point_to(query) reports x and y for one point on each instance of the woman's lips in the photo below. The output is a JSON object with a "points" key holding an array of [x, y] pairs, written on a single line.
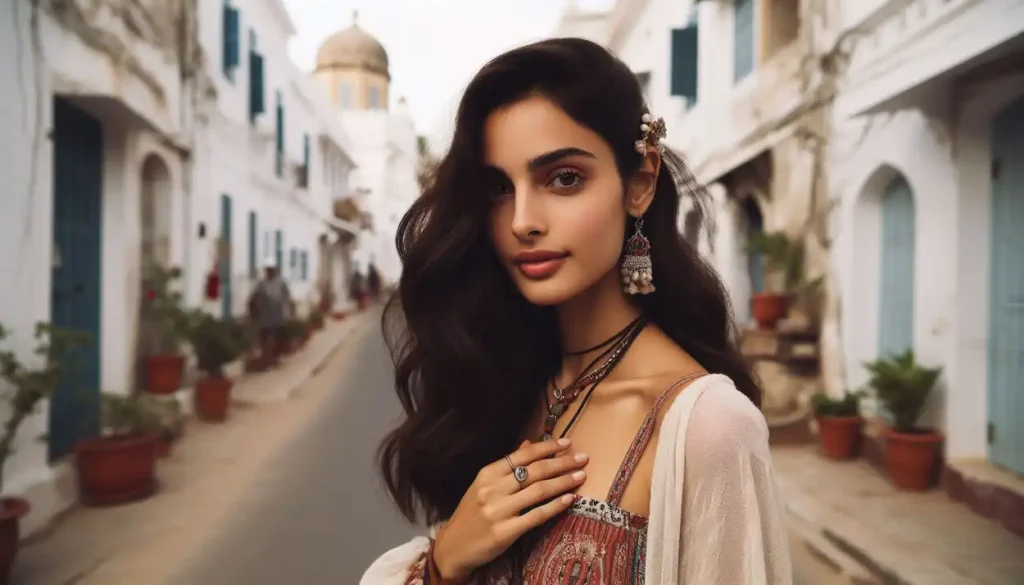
{"points": [[539, 265]]}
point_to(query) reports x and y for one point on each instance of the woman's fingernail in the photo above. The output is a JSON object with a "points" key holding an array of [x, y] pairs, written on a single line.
{"points": [[568, 498], [580, 457], [579, 475], [564, 441]]}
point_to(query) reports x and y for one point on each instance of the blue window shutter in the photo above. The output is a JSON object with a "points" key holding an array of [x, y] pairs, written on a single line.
{"points": [[231, 39], [305, 150], [279, 159], [257, 101], [253, 246], [279, 250], [684, 63], [743, 39]]}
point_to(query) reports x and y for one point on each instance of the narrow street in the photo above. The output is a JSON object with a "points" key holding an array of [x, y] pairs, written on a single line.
{"points": [[322, 518]]}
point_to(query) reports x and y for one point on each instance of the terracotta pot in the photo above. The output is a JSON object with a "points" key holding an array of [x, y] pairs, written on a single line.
{"points": [[12, 509], [116, 470], [163, 373], [840, 436], [338, 315], [212, 398], [163, 448], [768, 309], [911, 458]]}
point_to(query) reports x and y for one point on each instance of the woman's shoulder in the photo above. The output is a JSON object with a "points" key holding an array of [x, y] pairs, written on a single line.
{"points": [[717, 418]]}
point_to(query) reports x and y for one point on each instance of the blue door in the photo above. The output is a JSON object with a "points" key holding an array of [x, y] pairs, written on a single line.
{"points": [[226, 254], [75, 289], [896, 296], [1006, 300]]}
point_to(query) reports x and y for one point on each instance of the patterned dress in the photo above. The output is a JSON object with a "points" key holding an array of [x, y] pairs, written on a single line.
{"points": [[594, 543]]}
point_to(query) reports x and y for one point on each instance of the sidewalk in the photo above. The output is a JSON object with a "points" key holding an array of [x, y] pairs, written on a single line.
{"points": [[852, 512], [208, 469]]}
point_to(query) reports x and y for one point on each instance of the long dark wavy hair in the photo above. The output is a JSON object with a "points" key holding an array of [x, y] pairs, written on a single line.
{"points": [[472, 357]]}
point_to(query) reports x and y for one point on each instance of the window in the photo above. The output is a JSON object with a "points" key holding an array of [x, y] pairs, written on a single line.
{"points": [[684, 63], [257, 101], [279, 147], [254, 268], [231, 49], [374, 97], [743, 40], [344, 94], [293, 261]]}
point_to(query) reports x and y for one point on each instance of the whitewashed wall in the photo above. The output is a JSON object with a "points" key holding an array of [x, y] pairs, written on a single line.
{"points": [[69, 67]]}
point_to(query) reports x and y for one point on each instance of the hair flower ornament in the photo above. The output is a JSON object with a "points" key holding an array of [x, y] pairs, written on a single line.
{"points": [[652, 130]]}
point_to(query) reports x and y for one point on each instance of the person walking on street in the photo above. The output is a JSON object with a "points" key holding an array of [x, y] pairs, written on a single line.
{"points": [[373, 281], [271, 304], [357, 289]]}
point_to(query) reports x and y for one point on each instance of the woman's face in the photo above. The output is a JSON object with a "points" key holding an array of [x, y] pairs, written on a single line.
{"points": [[558, 211]]}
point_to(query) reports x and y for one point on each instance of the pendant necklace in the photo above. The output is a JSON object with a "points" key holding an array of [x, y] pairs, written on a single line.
{"points": [[619, 343]]}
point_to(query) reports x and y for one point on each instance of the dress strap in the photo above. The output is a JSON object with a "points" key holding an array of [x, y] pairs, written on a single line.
{"points": [[643, 437]]}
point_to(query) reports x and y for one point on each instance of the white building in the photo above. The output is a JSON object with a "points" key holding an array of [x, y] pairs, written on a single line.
{"points": [[98, 115], [928, 174], [133, 137], [352, 69], [271, 157]]}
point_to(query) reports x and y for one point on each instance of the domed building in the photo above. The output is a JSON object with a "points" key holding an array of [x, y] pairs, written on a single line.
{"points": [[352, 66]]}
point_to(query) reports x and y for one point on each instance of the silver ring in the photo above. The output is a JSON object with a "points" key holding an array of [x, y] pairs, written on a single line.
{"points": [[519, 473]]}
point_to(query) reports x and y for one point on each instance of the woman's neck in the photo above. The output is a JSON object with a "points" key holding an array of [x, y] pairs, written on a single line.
{"points": [[590, 318]]}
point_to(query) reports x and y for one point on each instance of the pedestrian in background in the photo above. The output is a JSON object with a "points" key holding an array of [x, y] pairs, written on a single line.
{"points": [[373, 282], [531, 313], [270, 306], [357, 289]]}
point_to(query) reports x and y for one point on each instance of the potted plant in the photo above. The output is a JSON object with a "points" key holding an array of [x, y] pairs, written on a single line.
{"points": [[783, 269], [171, 426], [162, 311], [119, 465], [26, 387], [839, 424], [316, 320], [216, 343], [903, 386]]}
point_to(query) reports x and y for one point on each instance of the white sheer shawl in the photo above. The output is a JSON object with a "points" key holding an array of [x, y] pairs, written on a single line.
{"points": [[716, 514]]}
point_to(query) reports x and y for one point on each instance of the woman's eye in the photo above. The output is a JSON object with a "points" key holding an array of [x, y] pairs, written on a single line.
{"points": [[567, 180]]}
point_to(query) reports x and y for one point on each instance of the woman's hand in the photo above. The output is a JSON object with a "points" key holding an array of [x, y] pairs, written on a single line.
{"points": [[488, 519]]}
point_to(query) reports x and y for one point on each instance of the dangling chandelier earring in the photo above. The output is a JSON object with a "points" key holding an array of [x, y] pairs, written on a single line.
{"points": [[637, 270]]}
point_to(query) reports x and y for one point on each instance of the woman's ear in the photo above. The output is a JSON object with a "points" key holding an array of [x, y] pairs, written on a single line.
{"points": [[640, 190]]}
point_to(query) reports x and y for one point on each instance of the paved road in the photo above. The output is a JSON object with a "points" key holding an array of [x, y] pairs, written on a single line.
{"points": [[323, 516]]}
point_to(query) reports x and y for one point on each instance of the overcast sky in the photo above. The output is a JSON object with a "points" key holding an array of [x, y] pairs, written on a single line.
{"points": [[434, 46]]}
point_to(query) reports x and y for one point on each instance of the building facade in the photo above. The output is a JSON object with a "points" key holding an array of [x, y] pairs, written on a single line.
{"points": [[352, 70], [271, 158], [172, 132], [99, 108], [926, 168]]}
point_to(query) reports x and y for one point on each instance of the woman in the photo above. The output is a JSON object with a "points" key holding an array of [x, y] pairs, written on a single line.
{"points": [[547, 296]]}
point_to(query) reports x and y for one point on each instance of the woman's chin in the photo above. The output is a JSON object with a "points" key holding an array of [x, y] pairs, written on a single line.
{"points": [[545, 293]]}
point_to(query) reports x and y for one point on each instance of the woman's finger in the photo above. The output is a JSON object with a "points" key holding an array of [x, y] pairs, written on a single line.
{"points": [[517, 526], [543, 469], [542, 491], [524, 456]]}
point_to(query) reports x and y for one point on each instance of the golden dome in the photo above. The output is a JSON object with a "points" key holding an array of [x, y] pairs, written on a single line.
{"points": [[353, 47]]}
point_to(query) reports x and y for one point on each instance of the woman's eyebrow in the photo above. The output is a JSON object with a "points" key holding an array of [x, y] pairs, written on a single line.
{"points": [[556, 155]]}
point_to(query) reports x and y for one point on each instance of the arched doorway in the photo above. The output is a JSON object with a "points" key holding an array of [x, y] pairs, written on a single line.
{"points": [[1006, 291], [154, 249], [896, 275]]}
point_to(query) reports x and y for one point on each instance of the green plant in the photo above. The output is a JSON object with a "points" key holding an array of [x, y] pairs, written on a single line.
{"points": [[316, 318], [162, 306], [847, 405], [31, 385], [130, 415], [215, 342], [903, 387], [783, 259], [294, 330]]}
